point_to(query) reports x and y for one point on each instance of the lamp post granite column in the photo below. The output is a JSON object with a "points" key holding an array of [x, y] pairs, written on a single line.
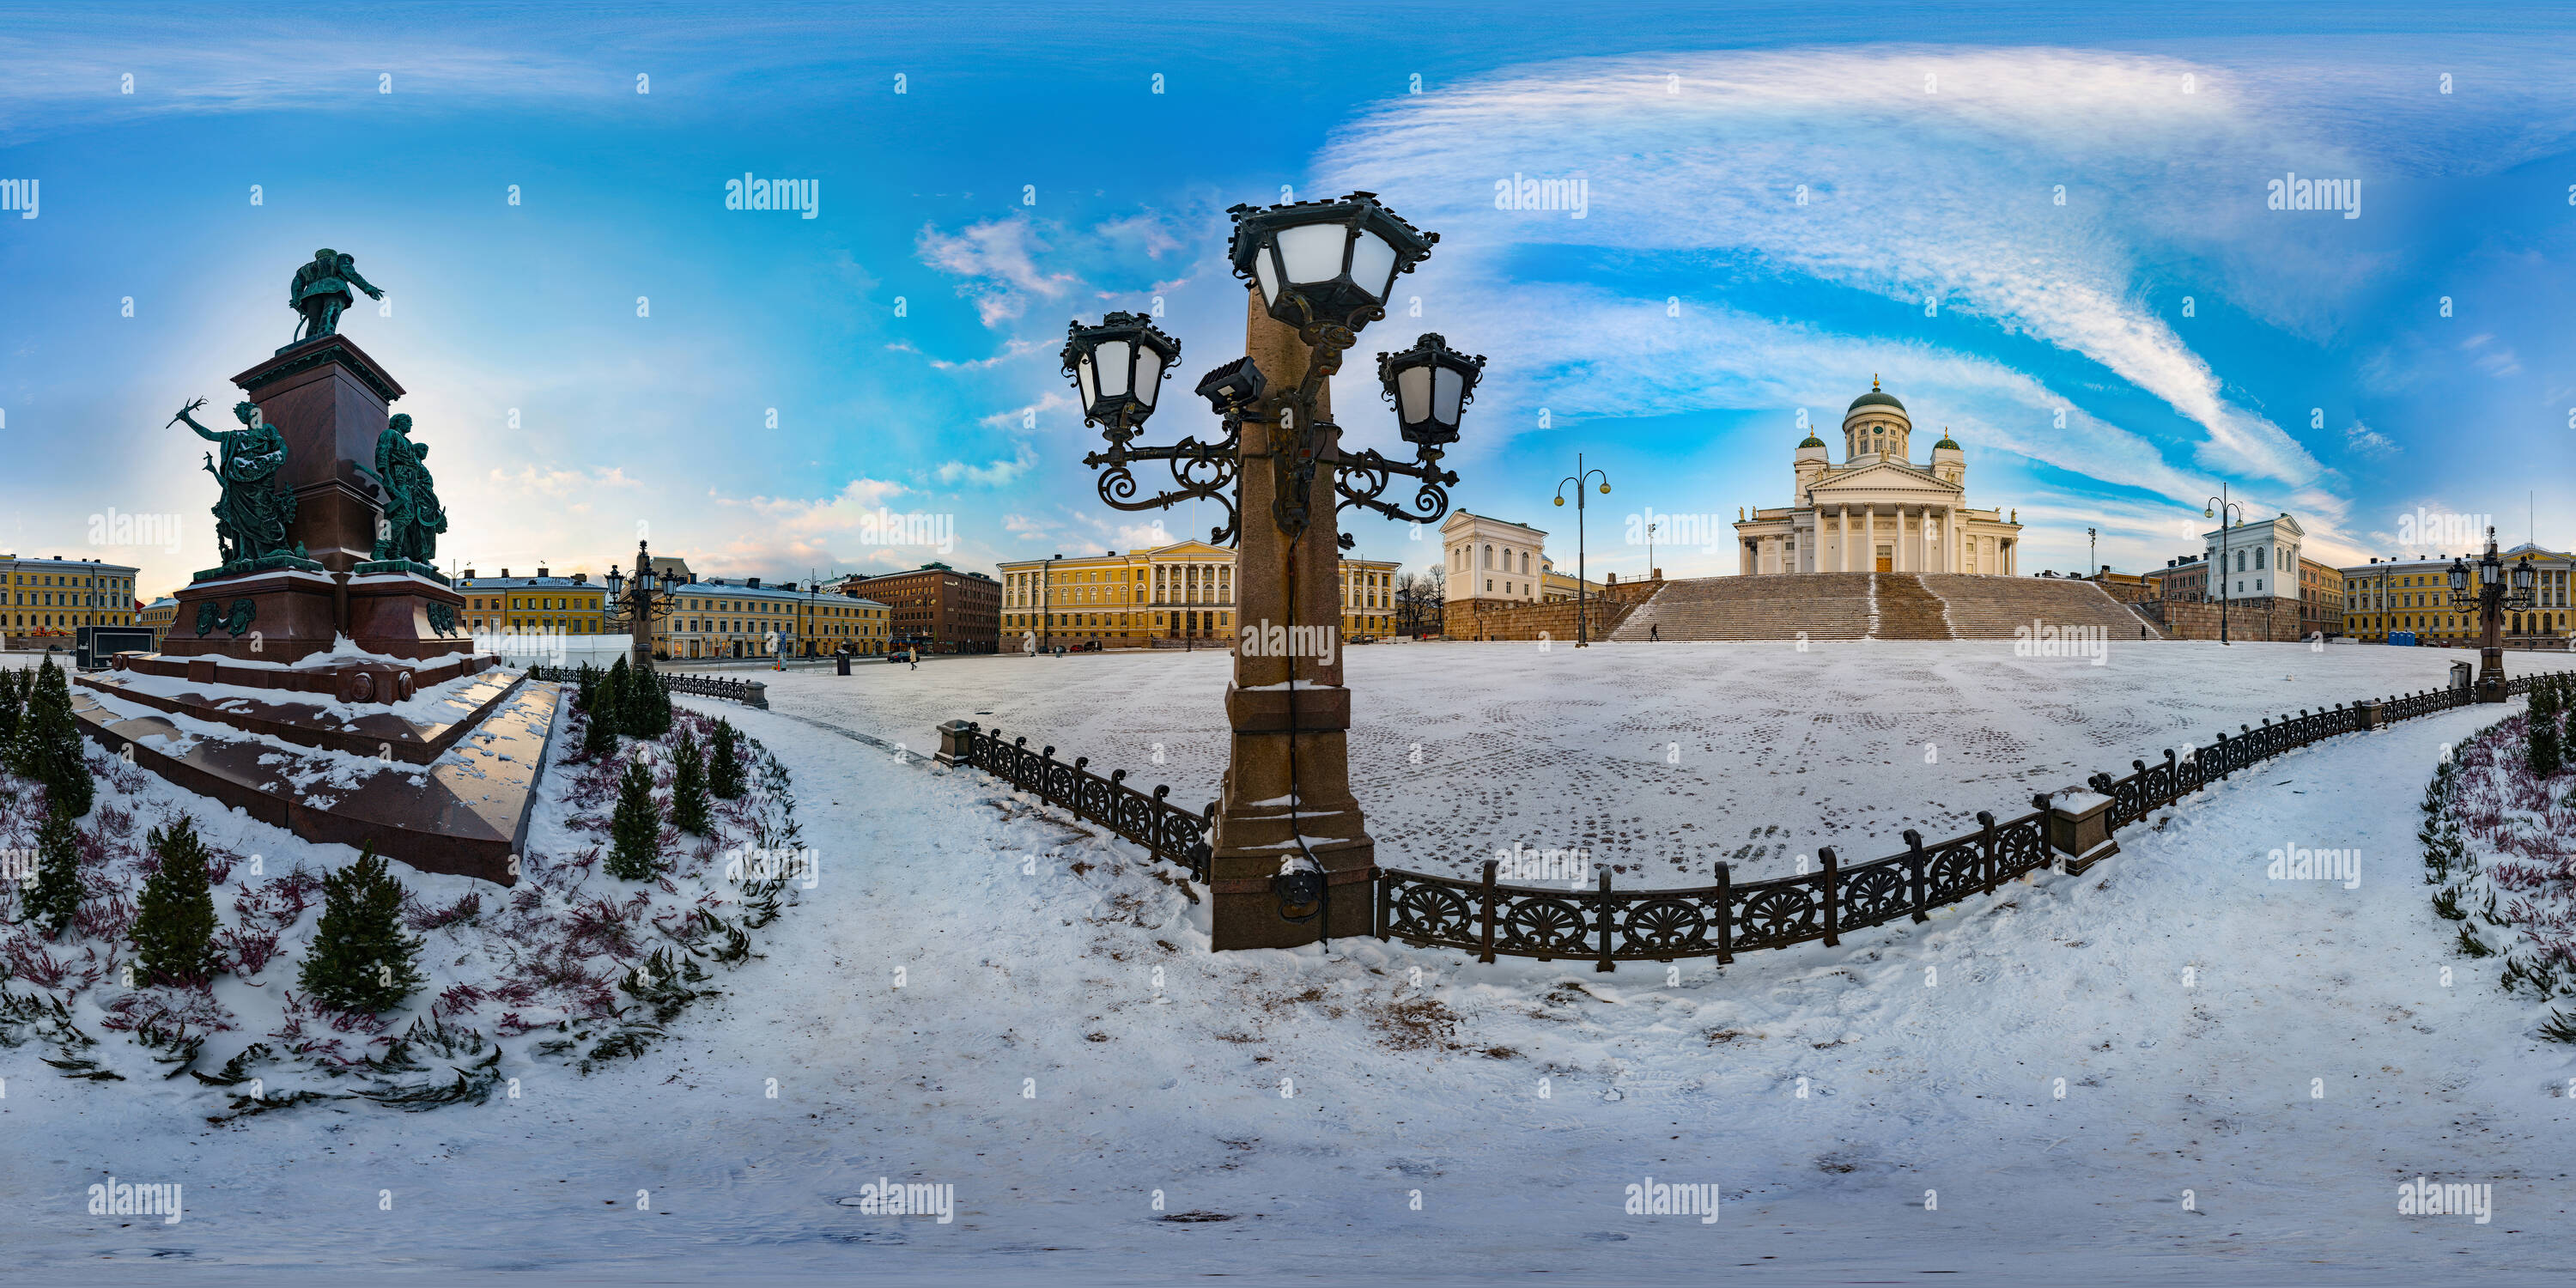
{"points": [[1292, 860]]}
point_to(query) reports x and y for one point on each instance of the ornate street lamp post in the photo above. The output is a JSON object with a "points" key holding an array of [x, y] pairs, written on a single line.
{"points": [[633, 605], [2218, 508], [1582, 622], [1292, 859], [2491, 597]]}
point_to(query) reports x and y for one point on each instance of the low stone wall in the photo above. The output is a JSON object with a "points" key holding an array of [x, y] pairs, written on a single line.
{"points": [[1486, 619], [2247, 619]]}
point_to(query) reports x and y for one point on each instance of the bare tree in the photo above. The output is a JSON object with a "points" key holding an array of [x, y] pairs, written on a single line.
{"points": [[1419, 597]]}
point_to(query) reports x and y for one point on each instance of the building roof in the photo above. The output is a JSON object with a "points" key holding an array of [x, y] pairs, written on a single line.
{"points": [[1876, 397], [1811, 441], [786, 594], [525, 583]]}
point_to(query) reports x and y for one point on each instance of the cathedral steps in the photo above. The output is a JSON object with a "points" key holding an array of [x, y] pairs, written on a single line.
{"points": [[1906, 611], [1902, 606], [1822, 606], [1990, 607]]}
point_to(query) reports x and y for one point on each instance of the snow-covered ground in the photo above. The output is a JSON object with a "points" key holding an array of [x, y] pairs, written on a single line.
{"points": [[1659, 759], [978, 996]]}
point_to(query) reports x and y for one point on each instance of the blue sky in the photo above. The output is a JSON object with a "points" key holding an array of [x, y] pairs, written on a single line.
{"points": [[1029, 173]]}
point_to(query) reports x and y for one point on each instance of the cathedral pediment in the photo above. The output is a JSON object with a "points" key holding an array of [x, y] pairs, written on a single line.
{"points": [[1881, 476]]}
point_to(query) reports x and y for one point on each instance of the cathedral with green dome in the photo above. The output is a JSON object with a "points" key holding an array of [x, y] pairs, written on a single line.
{"points": [[1879, 509]]}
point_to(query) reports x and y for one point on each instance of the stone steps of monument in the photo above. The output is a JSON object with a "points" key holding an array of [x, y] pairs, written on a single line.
{"points": [[1906, 611], [1991, 607]]}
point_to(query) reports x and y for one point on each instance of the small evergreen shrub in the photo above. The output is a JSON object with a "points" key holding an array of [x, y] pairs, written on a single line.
{"points": [[725, 777], [635, 830], [689, 787], [174, 924], [360, 959], [55, 897], [48, 745]]}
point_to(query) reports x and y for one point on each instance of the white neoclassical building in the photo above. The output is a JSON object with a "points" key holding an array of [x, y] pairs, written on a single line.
{"points": [[1878, 511], [1490, 558]]}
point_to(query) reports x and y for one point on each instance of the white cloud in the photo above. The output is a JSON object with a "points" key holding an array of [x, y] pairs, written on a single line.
{"points": [[993, 474], [998, 259], [1947, 195]]}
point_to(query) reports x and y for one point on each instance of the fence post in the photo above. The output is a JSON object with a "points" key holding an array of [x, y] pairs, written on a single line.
{"points": [[1046, 776], [1833, 895], [1604, 898], [2173, 778], [1385, 890], [1918, 891], [1989, 849], [1485, 936], [1725, 915], [2221, 749]]}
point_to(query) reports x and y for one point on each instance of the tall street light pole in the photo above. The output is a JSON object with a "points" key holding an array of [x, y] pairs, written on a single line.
{"points": [[1580, 477], [2219, 506], [633, 604], [2491, 596], [1292, 859]]}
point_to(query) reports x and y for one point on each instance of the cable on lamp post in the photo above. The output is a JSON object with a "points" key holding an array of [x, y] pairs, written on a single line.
{"points": [[1580, 477]]}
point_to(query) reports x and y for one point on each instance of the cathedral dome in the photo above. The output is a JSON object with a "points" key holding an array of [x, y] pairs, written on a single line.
{"points": [[1874, 398], [1812, 441]]}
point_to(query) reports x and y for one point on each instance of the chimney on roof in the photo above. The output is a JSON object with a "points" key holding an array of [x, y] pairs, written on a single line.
{"points": [[505, 572], [469, 573], [581, 579], [753, 583], [541, 572]]}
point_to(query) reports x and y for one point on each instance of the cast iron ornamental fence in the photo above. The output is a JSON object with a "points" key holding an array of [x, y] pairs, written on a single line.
{"points": [[1174, 834], [1609, 925], [750, 693]]}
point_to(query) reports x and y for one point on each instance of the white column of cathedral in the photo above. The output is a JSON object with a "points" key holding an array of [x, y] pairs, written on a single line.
{"points": [[1869, 538]]}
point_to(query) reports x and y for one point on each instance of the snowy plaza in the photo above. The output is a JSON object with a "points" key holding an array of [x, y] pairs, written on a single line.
{"points": [[2168, 1056]]}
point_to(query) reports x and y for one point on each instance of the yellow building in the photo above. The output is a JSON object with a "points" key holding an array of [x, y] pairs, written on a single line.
{"points": [[2388, 595], [572, 605], [46, 597], [159, 615], [743, 618], [1180, 592]]}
